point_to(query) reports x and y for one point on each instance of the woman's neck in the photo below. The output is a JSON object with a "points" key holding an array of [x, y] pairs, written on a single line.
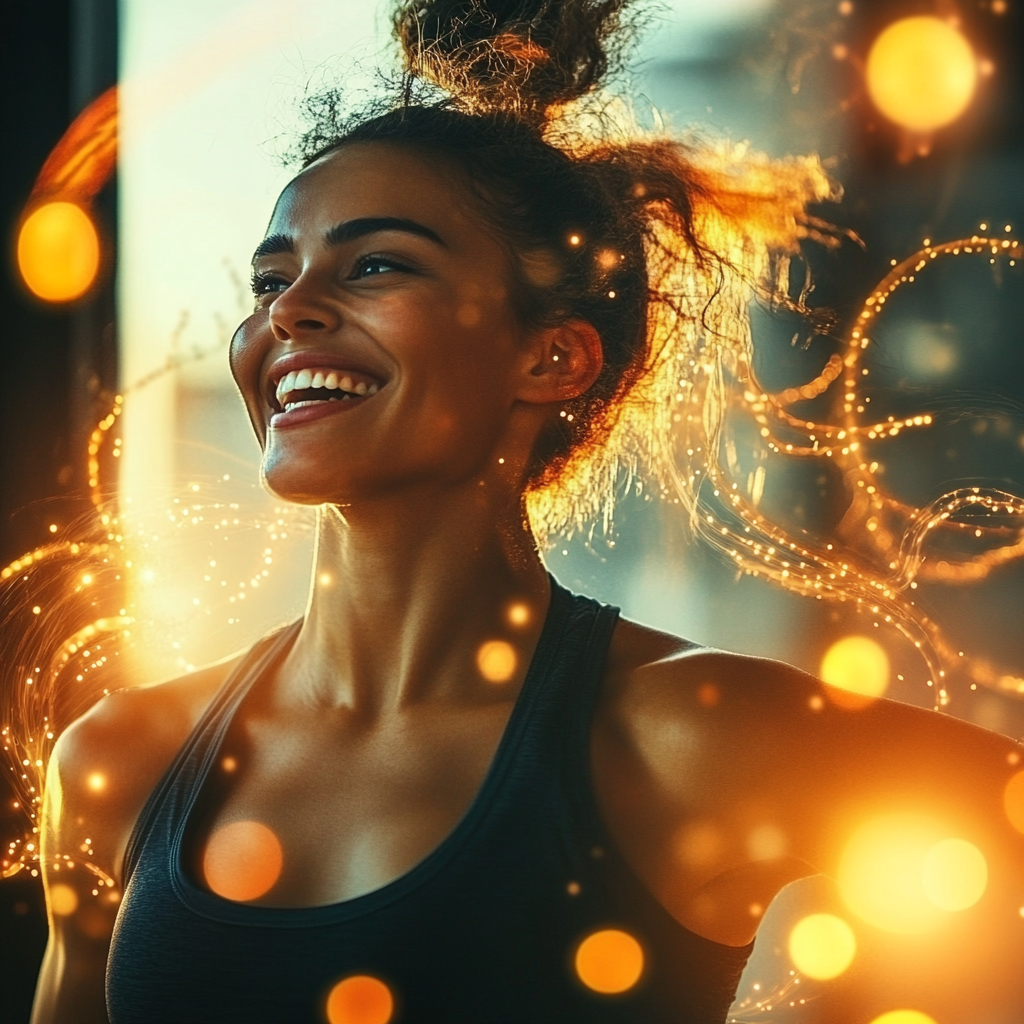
{"points": [[406, 592]]}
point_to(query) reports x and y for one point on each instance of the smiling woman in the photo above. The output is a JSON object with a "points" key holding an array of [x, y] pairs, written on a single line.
{"points": [[453, 791]]}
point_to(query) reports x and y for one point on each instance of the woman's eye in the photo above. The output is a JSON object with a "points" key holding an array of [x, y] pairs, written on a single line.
{"points": [[267, 284], [374, 266]]}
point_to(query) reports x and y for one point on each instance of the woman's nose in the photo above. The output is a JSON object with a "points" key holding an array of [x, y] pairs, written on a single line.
{"points": [[301, 309]]}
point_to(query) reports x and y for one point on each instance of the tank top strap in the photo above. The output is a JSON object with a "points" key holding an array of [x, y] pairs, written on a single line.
{"points": [[188, 766], [593, 625]]}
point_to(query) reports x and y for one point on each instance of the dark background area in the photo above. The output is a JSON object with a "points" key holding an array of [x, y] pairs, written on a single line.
{"points": [[56, 57]]}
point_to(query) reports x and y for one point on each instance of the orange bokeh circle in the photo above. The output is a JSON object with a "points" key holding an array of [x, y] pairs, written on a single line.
{"points": [[242, 861], [58, 251], [360, 999], [609, 961]]}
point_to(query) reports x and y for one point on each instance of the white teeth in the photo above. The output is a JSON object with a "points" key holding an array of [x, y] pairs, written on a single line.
{"points": [[300, 380]]}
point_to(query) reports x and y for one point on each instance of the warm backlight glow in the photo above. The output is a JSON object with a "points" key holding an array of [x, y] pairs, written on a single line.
{"points": [[904, 1017], [360, 999], [822, 946], [881, 873], [97, 782], [921, 73], [63, 900], [1013, 801], [609, 961], [242, 861], [955, 874], [496, 661], [857, 665], [900, 873], [58, 251]]}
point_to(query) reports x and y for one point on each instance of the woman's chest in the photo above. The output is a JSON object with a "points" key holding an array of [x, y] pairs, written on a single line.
{"points": [[320, 812]]}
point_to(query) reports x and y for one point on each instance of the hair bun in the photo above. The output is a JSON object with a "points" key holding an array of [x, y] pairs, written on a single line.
{"points": [[517, 56]]}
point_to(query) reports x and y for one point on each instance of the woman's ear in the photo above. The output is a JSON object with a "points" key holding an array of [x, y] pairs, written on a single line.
{"points": [[560, 363]]}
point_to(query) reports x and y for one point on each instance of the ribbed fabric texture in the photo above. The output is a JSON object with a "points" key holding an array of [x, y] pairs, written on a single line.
{"points": [[484, 929]]}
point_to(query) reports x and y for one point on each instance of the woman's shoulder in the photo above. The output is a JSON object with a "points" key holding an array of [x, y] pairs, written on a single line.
{"points": [[106, 763], [648, 665]]}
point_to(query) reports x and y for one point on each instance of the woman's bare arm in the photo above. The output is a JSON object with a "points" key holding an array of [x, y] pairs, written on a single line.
{"points": [[723, 778], [101, 772]]}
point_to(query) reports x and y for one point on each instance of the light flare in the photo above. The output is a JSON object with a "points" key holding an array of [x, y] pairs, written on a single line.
{"points": [[58, 251], [496, 661], [822, 946], [360, 999], [921, 73], [609, 961], [242, 861], [858, 668]]}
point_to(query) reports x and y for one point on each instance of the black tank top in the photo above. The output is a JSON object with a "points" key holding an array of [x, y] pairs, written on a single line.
{"points": [[484, 930]]}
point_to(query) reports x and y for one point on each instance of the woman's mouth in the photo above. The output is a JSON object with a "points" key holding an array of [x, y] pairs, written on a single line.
{"points": [[306, 394]]}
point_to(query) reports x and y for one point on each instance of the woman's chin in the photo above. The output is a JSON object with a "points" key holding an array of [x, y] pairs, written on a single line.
{"points": [[301, 489]]}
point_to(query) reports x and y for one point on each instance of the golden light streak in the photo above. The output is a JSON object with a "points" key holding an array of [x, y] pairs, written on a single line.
{"points": [[609, 961], [82, 162], [921, 73], [822, 946]]}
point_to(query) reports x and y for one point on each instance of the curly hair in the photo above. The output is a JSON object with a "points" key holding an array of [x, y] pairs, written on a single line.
{"points": [[655, 245]]}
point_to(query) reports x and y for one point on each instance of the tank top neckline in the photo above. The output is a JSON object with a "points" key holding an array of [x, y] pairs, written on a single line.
{"points": [[218, 719]]}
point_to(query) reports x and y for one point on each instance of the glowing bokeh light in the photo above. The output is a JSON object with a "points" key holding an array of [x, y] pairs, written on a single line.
{"points": [[904, 1017], [62, 899], [242, 861], [859, 667], [519, 613], [1013, 801], [766, 842], [58, 251], [955, 874], [97, 782], [360, 999], [881, 873], [921, 73], [822, 946], [609, 961], [496, 661]]}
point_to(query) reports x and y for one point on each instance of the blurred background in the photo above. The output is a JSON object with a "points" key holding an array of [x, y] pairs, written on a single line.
{"points": [[209, 102]]}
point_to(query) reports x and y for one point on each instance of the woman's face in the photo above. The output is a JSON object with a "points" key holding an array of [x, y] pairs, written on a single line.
{"points": [[383, 351]]}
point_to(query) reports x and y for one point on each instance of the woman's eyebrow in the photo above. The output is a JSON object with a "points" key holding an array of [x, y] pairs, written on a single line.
{"points": [[349, 230], [273, 244]]}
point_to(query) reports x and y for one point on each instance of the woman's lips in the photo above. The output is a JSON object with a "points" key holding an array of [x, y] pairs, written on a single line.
{"points": [[306, 412]]}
